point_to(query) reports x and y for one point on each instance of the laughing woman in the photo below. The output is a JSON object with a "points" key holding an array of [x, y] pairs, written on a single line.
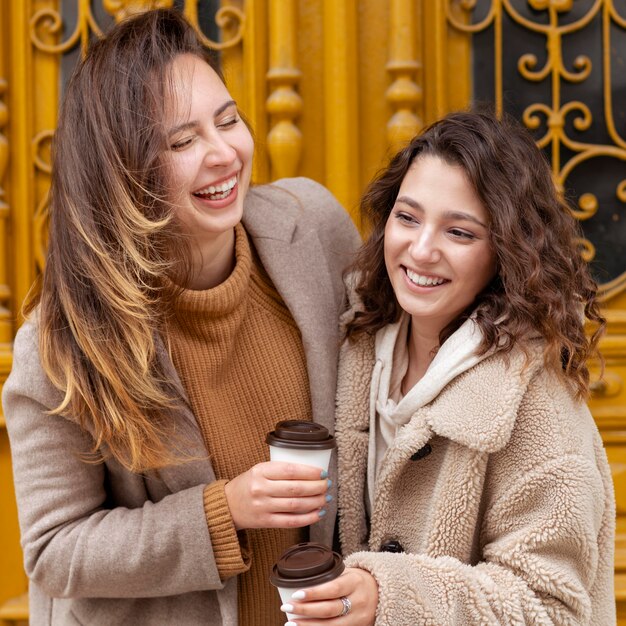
{"points": [[473, 485], [180, 315]]}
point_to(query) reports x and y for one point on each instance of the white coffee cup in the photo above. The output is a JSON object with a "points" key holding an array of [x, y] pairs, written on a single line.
{"points": [[302, 566], [299, 441]]}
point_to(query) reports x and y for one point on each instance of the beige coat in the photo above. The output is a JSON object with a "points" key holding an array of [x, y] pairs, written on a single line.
{"points": [[508, 520], [105, 546]]}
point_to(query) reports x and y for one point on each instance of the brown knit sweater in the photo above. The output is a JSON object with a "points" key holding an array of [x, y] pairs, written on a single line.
{"points": [[239, 355]]}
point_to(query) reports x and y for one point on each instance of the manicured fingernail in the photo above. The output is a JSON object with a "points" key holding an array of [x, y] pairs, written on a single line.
{"points": [[298, 595], [290, 624], [328, 497], [330, 482], [287, 608], [324, 474], [321, 513]]}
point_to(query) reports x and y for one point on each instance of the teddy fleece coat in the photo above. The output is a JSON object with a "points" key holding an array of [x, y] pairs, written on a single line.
{"points": [[498, 493], [105, 546]]}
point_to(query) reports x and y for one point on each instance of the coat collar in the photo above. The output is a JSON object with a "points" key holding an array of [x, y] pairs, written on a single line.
{"points": [[477, 409]]}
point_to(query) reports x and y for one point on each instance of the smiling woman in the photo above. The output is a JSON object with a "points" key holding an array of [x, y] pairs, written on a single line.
{"points": [[437, 249], [473, 485], [211, 162], [181, 314]]}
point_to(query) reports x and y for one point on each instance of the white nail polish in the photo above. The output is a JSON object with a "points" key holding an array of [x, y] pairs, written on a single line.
{"points": [[287, 608], [290, 624], [298, 595]]}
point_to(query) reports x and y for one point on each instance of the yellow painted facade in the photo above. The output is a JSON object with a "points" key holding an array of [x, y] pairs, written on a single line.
{"points": [[330, 87]]}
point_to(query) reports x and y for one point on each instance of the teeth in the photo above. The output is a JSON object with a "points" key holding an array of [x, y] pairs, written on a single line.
{"points": [[219, 191], [423, 281]]}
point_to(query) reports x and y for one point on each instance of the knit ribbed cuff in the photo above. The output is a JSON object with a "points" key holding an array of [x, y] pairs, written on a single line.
{"points": [[230, 548]]}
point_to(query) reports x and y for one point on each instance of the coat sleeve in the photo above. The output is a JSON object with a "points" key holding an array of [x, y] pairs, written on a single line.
{"points": [[540, 558], [75, 543]]}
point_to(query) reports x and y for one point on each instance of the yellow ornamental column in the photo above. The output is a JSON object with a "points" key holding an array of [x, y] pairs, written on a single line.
{"points": [[341, 114], [284, 104], [404, 95], [6, 329]]}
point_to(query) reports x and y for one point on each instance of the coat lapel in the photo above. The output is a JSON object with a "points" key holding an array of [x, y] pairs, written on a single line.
{"points": [[352, 432], [288, 255]]}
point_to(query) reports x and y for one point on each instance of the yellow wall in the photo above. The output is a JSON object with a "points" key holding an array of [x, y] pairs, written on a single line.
{"points": [[330, 88]]}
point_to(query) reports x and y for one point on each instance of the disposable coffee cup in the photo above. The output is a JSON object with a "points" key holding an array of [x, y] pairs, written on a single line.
{"points": [[298, 441], [304, 565]]}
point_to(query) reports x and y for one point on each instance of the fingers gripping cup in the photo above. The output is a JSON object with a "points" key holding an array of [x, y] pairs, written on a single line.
{"points": [[304, 565], [297, 441]]}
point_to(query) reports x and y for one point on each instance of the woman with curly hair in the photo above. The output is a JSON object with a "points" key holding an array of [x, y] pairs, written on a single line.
{"points": [[473, 485], [181, 313]]}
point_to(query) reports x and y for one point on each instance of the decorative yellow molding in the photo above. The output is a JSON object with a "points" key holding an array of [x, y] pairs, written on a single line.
{"points": [[250, 74], [21, 171], [341, 107], [284, 104], [405, 94], [6, 326]]}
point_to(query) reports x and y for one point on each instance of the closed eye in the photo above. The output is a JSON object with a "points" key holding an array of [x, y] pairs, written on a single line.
{"points": [[182, 144], [229, 122]]}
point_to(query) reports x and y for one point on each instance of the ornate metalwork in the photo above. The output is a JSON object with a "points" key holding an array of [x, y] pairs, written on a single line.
{"points": [[41, 144], [555, 120], [47, 23]]}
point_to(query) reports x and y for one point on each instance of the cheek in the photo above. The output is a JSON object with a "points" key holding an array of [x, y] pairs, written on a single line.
{"points": [[245, 144], [182, 172]]}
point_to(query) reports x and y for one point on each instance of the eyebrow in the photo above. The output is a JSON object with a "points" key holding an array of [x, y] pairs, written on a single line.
{"points": [[195, 123], [451, 215]]}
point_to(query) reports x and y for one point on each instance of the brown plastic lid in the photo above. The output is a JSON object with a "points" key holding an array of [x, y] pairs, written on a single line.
{"points": [[305, 565], [300, 434]]}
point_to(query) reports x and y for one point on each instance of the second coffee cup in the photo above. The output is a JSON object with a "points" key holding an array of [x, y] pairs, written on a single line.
{"points": [[299, 441], [304, 565]]}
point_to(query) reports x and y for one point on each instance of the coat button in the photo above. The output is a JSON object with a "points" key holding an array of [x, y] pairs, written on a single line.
{"points": [[422, 452], [391, 546]]}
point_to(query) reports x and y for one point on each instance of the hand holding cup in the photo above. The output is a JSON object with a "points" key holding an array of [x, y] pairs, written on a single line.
{"points": [[278, 495]]}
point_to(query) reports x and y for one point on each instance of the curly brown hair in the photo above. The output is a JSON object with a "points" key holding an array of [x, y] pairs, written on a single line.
{"points": [[542, 285]]}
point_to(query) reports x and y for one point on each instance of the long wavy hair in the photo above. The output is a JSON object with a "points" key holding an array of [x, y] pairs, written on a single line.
{"points": [[115, 250], [542, 286]]}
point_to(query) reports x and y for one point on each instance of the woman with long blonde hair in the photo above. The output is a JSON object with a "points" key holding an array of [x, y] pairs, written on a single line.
{"points": [[181, 314]]}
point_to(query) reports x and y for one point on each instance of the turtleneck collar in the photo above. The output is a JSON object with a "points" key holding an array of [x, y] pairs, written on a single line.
{"points": [[224, 298]]}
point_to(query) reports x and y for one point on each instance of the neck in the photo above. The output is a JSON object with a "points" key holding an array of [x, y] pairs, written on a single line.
{"points": [[422, 346], [213, 263]]}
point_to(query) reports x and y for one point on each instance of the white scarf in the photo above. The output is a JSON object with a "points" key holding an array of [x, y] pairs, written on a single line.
{"points": [[392, 411]]}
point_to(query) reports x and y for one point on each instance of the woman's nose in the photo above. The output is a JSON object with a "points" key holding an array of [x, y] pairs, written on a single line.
{"points": [[424, 248], [219, 153]]}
